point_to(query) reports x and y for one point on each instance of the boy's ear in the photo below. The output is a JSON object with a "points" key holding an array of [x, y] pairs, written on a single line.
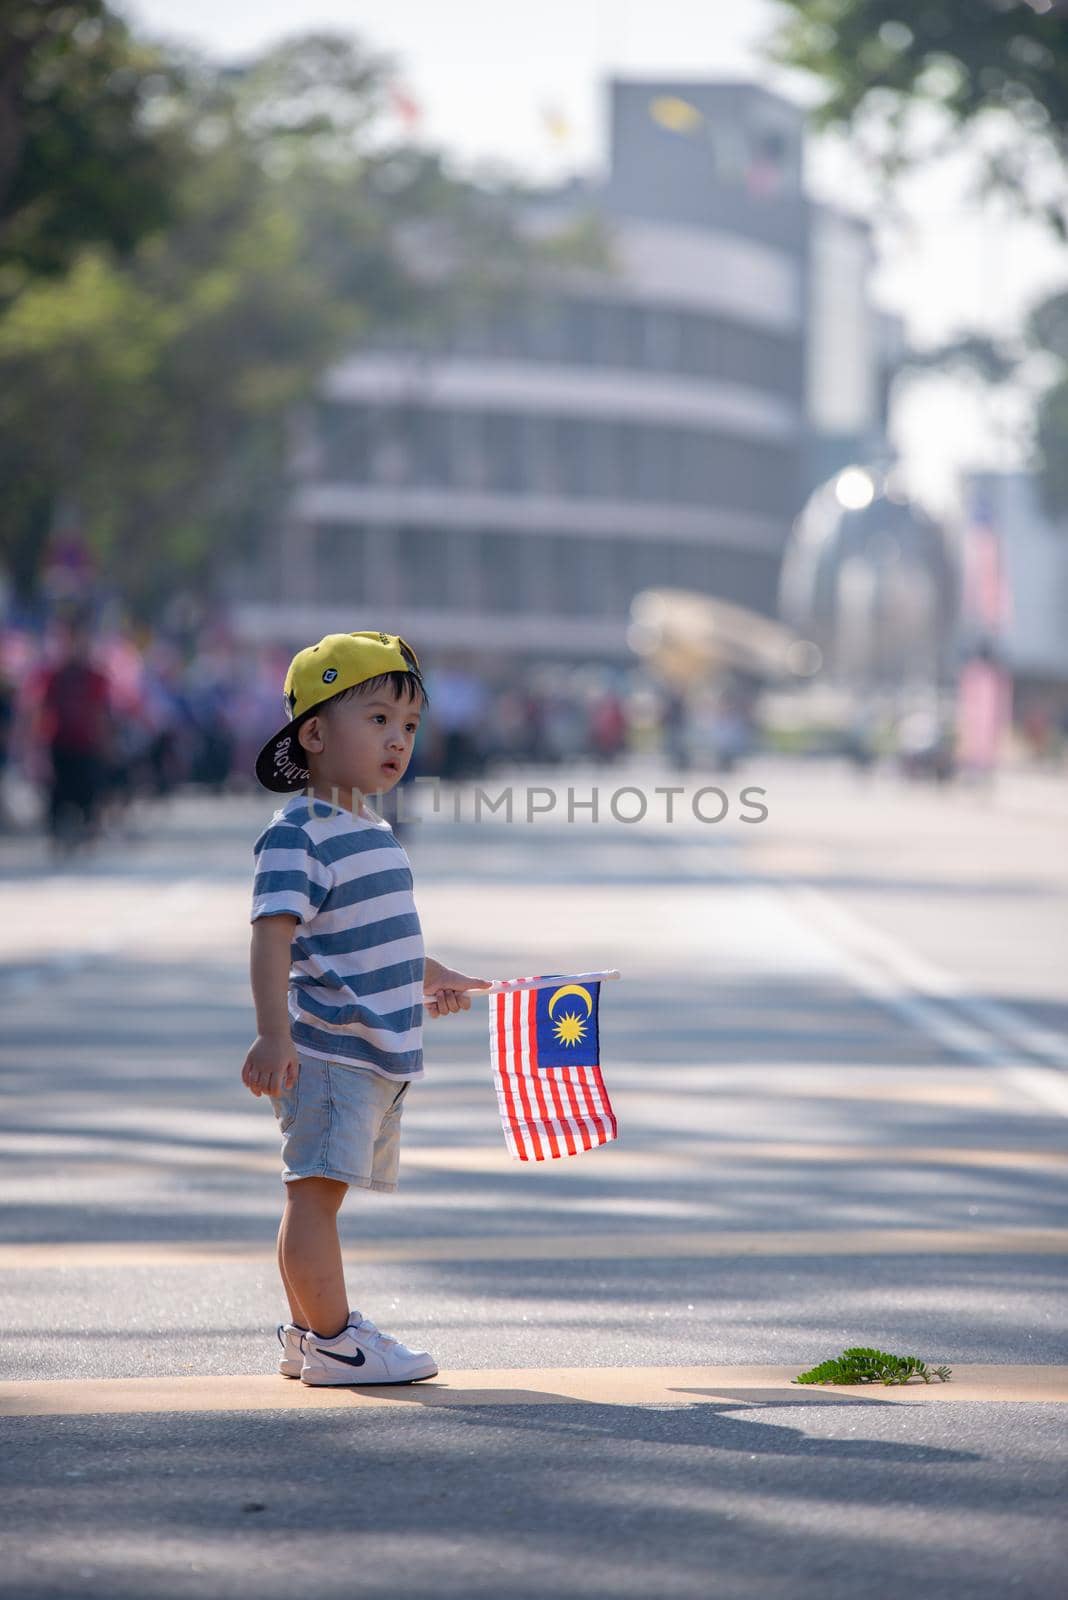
{"points": [[310, 735]]}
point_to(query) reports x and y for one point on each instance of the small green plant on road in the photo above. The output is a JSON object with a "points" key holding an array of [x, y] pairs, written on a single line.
{"points": [[859, 1365]]}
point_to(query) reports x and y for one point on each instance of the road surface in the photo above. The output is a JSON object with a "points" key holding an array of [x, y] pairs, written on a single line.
{"points": [[839, 1057]]}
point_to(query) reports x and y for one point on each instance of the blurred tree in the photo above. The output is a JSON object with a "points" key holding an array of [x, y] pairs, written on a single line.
{"points": [[151, 393], [1000, 62], [999, 67], [85, 152], [1048, 332]]}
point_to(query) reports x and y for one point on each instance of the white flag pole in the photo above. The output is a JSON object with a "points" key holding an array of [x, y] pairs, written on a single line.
{"points": [[506, 985]]}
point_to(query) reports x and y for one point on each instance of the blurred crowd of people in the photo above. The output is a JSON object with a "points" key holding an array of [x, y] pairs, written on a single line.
{"points": [[93, 718], [575, 714]]}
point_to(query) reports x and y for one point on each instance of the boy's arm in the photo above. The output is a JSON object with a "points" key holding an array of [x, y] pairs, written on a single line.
{"points": [[271, 1064], [444, 988]]}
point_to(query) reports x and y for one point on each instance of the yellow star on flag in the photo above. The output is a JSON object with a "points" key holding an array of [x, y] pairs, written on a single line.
{"points": [[570, 1028]]}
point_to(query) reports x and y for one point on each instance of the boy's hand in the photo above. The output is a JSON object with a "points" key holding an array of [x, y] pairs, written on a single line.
{"points": [[271, 1065], [444, 989]]}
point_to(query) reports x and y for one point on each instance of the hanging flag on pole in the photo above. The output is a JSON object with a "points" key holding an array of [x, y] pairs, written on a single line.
{"points": [[675, 114], [556, 123], [406, 106], [545, 1053]]}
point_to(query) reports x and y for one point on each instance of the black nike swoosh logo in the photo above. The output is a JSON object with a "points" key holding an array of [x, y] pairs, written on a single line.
{"points": [[357, 1360]]}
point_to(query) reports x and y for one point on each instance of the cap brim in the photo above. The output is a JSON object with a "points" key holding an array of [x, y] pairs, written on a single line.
{"points": [[279, 765]]}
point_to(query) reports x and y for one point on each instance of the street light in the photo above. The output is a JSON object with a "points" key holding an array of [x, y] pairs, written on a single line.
{"points": [[854, 489]]}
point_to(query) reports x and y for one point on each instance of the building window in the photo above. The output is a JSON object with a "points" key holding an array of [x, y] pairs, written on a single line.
{"points": [[602, 459], [469, 336], [390, 435], [569, 435], [578, 319], [543, 330], [504, 451], [346, 437], [697, 568], [429, 448], [499, 573], [570, 577], [469, 467], [422, 561], [609, 334], [339, 562], [663, 336], [597, 558], [542, 461]]}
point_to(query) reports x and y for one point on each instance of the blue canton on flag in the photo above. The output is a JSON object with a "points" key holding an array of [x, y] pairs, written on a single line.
{"points": [[567, 1025]]}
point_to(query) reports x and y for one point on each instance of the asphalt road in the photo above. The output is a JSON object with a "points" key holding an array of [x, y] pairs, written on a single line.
{"points": [[838, 1055]]}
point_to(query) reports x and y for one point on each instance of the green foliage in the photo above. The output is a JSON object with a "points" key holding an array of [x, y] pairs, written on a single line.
{"points": [[906, 78], [1048, 327], [880, 61], [151, 358], [1047, 335], [86, 149], [151, 391], [1052, 442], [861, 1365], [969, 352]]}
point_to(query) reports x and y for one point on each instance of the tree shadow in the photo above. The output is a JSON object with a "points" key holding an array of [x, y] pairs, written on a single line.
{"points": [[711, 1419]]}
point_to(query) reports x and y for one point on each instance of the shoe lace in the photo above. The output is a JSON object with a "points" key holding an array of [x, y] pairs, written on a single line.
{"points": [[370, 1331]]}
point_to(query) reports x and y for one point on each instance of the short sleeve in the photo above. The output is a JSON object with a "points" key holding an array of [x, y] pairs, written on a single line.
{"points": [[290, 879]]}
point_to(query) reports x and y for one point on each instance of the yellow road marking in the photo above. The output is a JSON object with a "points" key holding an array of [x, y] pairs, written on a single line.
{"points": [[617, 1162], [922, 1091], [706, 1155], [682, 1246], [616, 1386]]}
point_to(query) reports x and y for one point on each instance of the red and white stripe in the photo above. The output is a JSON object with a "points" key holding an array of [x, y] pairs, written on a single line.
{"points": [[545, 1115]]}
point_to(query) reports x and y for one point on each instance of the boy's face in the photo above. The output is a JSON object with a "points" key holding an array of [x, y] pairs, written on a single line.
{"points": [[364, 742]]}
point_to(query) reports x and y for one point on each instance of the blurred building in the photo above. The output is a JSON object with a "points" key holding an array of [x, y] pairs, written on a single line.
{"points": [[510, 485], [1016, 588]]}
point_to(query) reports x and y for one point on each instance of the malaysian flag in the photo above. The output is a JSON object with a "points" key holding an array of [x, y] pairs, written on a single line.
{"points": [[545, 1051]]}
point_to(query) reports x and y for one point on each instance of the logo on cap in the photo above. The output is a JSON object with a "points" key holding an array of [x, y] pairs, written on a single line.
{"points": [[330, 674]]}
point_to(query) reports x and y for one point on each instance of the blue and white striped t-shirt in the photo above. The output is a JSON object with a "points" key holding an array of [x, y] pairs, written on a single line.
{"points": [[356, 980]]}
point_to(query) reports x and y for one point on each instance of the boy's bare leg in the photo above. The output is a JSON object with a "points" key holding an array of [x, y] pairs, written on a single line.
{"points": [[296, 1310], [309, 1254]]}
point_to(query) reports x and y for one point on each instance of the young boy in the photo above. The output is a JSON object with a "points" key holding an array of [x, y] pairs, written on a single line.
{"points": [[338, 979]]}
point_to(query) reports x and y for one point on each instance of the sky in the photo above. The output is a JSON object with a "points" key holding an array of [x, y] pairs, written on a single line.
{"points": [[485, 73]]}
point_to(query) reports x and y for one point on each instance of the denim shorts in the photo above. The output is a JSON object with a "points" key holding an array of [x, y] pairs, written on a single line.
{"points": [[342, 1122]]}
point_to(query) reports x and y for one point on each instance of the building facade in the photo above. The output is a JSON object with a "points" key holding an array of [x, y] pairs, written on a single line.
{"points": [[1015, 561], [510, 486]]}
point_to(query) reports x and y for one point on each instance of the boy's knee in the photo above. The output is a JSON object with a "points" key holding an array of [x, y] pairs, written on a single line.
{"points": [[325, 1194]]}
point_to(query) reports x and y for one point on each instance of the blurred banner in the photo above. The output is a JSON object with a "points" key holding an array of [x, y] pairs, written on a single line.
{"points": [[984, 706]]}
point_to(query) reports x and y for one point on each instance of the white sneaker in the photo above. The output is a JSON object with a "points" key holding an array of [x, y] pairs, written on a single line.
{"points": [[291, 1338], [362, 1353]]}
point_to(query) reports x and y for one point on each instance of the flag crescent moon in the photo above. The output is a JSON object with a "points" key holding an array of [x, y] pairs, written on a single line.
{"points": [[572, 988]]}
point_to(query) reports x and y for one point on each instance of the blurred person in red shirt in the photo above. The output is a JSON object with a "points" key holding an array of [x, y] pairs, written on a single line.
{"points": [[75, 726]]}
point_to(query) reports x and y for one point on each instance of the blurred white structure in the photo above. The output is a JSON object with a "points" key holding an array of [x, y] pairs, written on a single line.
{"points": [[874, 583], [510, 486]]}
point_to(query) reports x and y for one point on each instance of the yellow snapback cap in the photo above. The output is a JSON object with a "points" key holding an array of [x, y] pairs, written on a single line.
{"points": [[317, 674]]}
